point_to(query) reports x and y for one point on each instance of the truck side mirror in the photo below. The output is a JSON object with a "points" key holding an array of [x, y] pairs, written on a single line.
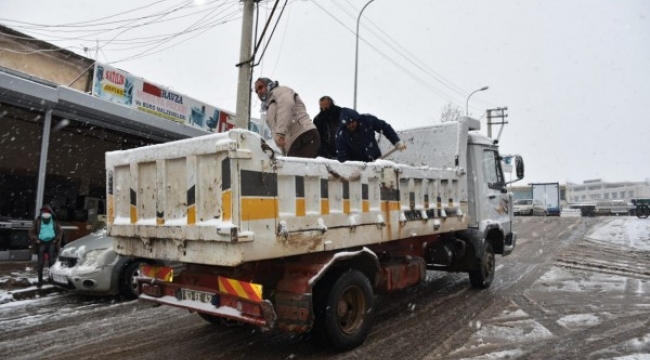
{"points": [[519, 167]]}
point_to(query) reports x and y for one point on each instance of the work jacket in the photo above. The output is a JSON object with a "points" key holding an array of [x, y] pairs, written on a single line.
{"points": [[361, 145], [287, 115]]}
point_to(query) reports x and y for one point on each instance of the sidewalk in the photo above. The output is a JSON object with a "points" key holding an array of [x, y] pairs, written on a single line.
{"points": [[18, 281]]}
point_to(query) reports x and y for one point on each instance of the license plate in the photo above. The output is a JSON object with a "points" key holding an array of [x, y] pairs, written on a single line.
{"points": [[60, 279], [194, 295]]}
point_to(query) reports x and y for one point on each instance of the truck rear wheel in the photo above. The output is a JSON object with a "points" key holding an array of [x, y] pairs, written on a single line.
{"points": [[345, 317], [482, 277]]}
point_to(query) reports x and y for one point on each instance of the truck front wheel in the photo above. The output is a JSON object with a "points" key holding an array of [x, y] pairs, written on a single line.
{"points": [[482, 277], [346, 316]]}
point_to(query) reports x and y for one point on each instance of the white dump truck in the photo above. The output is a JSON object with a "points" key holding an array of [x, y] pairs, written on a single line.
{"points": [[303, 245]]}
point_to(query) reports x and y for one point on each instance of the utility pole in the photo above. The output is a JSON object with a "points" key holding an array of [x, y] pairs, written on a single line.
{"points": [[243, 110], [499, 113]]}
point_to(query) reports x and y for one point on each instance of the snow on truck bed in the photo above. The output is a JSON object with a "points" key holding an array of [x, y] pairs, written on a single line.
{"points": [[226, 199]]}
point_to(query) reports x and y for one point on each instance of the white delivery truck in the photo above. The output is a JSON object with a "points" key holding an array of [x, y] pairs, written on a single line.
{"points": [[304, 244]]}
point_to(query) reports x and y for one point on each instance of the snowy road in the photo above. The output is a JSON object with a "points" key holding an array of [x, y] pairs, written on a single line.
{"points": [[575, 288]]}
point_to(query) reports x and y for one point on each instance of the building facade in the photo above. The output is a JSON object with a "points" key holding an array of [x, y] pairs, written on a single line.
{"points": [[598, 190], [54, 134]]}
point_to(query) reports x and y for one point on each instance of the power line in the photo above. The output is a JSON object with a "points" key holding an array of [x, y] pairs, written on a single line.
{"points": [[92, 33], [153, 41], [86, 21], [394, 62], [147, 52], [404, 53]]}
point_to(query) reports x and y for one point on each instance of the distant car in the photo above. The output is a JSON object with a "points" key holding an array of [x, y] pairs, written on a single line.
{"points": [[90, 266], [553, 211], [529, 207]]}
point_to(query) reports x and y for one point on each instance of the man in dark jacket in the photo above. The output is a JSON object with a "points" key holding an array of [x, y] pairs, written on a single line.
{"points": [[356, 137], [46, 234], [327, 122]]}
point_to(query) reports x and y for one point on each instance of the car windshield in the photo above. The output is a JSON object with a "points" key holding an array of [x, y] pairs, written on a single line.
{"points": [[523, 202]]}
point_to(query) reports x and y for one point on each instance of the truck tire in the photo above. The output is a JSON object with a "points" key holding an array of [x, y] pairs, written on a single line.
{"points": [[346, 314], [128, 286], [482, 277]]}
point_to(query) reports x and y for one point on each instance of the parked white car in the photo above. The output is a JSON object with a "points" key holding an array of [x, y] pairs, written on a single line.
{"points": [[529, 207], [90, 266]]}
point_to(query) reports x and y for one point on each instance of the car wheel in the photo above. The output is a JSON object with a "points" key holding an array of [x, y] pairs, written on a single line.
{"points": [[482, 277], [345, 317], [531, 213], [128, 283]]}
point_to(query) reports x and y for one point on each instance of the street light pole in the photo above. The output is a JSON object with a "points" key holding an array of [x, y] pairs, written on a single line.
{"points": [[473, 92], [356, 56]]}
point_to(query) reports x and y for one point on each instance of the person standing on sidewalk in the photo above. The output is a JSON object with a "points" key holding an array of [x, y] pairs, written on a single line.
{"points": [[45, 234]]}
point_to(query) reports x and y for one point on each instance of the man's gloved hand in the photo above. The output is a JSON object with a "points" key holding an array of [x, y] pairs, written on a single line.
{"points": [[400, 146]]}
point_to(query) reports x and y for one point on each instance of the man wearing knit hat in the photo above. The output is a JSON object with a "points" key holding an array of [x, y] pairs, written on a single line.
{"points": [[45, 233], [356, 141], [293, 131]]}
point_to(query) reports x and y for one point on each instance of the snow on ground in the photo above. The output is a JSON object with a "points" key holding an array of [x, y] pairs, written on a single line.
{"points": [[509, 354], [579, 321], [625, 231], [562, 279], [639, 347], [510, 326], [633, 357], [17, 281], [510, 332]]}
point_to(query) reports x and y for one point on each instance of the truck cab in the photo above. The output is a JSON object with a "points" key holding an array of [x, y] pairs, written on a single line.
{"points": [[491, 205]]}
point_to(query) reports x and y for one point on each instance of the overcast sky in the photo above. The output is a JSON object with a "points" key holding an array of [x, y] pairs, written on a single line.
{"points": [[575, 75]]}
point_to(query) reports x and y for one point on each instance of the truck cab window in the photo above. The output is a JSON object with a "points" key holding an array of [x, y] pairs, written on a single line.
{"points": [[492, 169]]}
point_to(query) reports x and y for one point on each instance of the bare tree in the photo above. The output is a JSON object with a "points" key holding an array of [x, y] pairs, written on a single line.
{"points": [[450, 112]]}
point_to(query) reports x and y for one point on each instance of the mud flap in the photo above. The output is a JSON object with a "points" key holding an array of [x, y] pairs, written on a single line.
{"points": [[509, 243], [294, 312]]}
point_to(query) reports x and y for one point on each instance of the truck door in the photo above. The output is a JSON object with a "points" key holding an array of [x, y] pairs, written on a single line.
{"points": [[496, 204]]}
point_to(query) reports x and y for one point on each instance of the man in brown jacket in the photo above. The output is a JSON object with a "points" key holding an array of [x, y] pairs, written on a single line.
{"points": [[46, 235], [293, 131]]}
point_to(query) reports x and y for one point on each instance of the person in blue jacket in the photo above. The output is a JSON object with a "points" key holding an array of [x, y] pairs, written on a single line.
{"points": [[45, 234], [356, 141]]}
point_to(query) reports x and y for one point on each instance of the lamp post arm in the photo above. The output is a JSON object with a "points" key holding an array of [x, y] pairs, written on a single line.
{"points": [[467, 102], [356, 56], [472, 93]]}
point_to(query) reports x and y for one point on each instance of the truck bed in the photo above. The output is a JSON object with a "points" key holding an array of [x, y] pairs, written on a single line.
{"points": [[227, 199]]}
